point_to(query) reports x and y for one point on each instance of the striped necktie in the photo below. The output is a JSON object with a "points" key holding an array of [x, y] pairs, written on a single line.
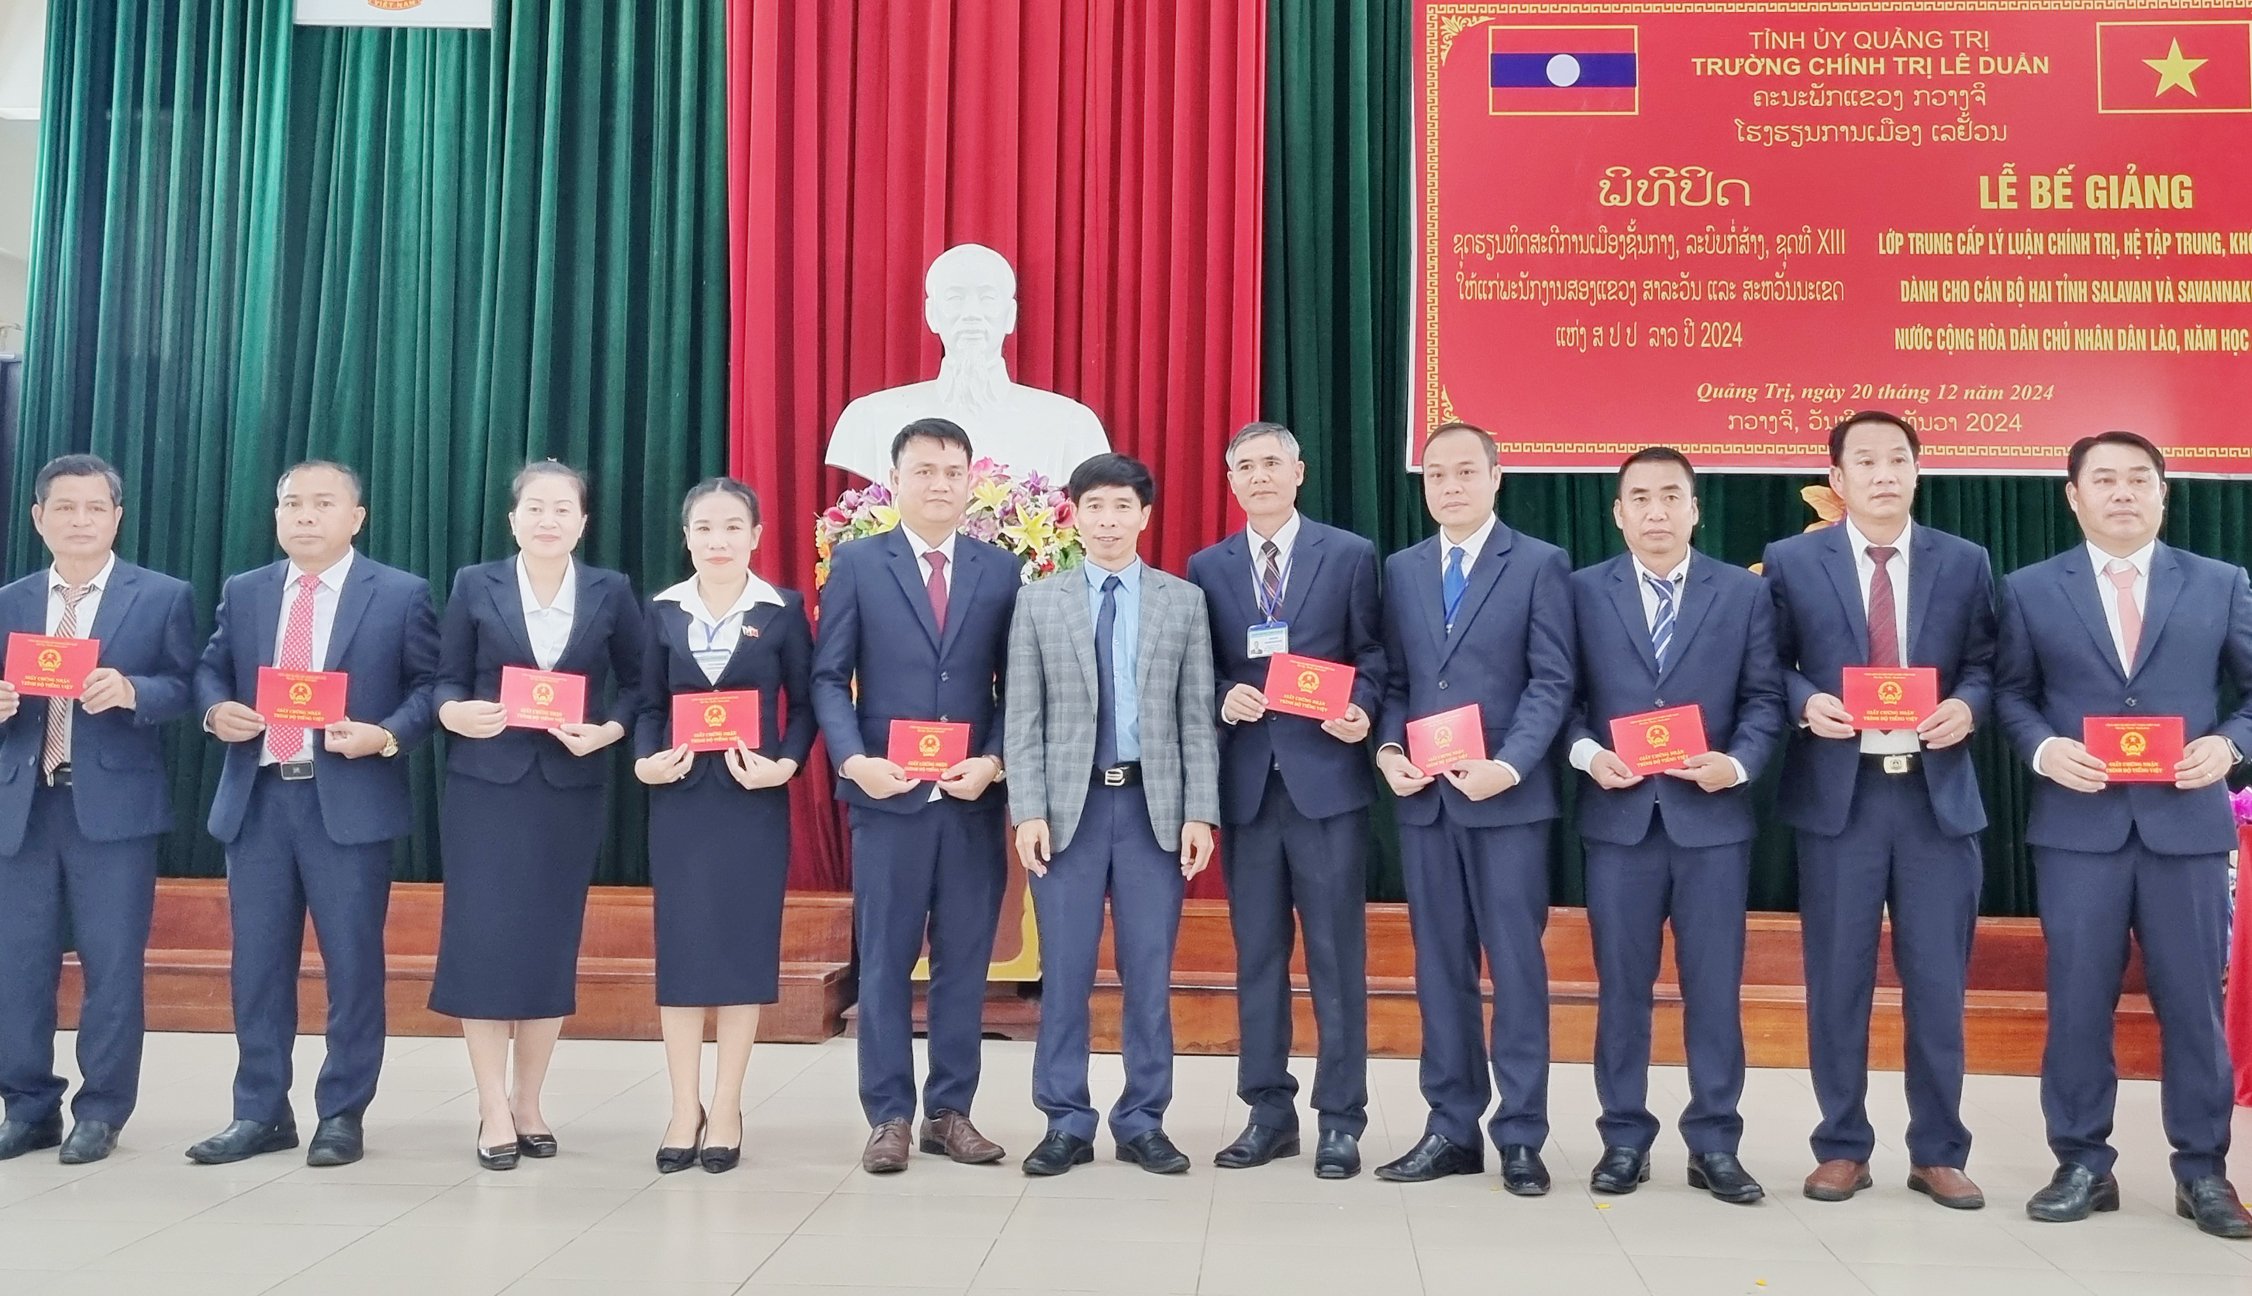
{"points": [[1661, 625]]}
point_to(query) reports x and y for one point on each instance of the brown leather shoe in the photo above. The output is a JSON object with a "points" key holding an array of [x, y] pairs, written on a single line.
{"points": [[950, 1134], [886, 1152], [1836, 1181], [1947, 1186]]}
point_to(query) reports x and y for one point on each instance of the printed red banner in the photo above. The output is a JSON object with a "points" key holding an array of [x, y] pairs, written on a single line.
{"points": [[1660, 740], [310, 699], [1627, 218], [1448, 739], [45, 666], [1890, 697], [538, 699], [2137, 749], [707, 722], [1308, 686], [927, 750]]}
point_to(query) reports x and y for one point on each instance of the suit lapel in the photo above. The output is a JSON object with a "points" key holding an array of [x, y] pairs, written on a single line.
{"points": [[583, 611], [1484, 575], [2165, 586], [1150, 618], [116, 600], [1235, 559], [1696, 600], [966, 578], [1626, 597], [264, 611], [508, 601], [2080, 591], [1923, 578], [1430, 597], [903, 565], [351, 605], [1845, 575], [1305, 564], [1080, 628], [755, 622]]}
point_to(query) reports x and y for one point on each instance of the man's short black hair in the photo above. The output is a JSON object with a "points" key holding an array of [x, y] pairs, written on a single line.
{"points": [[2080, 448], [1851, 421], [1112, 470], [1658, 454], [1485, 439], [932, 429], [78, 465], [359, 493]]}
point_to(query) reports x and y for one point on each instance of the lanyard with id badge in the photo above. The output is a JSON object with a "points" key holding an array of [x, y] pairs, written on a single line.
{"points": [[1272, 635]]}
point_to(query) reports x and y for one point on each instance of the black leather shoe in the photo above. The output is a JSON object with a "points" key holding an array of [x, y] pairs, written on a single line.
{"points": [[2213, 1203], [720, 1160], [1433, 1158], [1522, 1173], [1155, 1153], [503, 1156], [2073, 1192], [673, 1160], [337, 1141], [19, 1137], [243, 1140], [89, 1141], [1057, 1153], [1256, 1146], [1338, 1157], [1621, 1171], [537, 1146], [1722, 1175]]}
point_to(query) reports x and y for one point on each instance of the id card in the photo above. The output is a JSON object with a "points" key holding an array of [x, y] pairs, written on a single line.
{"points": [[1267, 639]]}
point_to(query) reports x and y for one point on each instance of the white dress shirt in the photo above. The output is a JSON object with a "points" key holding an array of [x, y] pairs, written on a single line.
{"points": [[712, 638], [2107, 598], [326, 596], [1886, 742], [922, 565], [88, 606], [548, 627], [1584, 752], [1285, 542]]}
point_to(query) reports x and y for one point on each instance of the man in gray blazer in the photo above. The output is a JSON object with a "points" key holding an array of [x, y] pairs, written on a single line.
{"points": [[1114, 784]]}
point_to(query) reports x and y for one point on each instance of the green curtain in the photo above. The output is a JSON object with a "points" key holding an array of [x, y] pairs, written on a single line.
{"points": [[1338, 266], [432, 255]]}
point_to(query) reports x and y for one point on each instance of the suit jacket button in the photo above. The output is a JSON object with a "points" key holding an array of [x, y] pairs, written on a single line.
{"points": [[2130, 704], [1442, 683], [1659, 701], [943, 677], [945, 719]]}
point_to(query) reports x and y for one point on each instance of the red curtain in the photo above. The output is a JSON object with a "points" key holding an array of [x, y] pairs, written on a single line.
{"points": [[1110, 149]]}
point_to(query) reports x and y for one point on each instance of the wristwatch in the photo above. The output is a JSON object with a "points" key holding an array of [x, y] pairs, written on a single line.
{"points": [[390, 743], [1000, 771]]}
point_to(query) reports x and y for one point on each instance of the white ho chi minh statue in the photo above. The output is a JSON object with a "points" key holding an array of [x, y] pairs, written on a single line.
{"points": [[969, 300]]}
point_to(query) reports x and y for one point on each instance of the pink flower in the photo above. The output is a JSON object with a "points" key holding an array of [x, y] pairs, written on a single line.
{"points": [[2240, 801]]}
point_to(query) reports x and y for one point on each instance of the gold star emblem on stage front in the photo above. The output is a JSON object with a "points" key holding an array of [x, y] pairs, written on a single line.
{"points": [[2174, 70]]}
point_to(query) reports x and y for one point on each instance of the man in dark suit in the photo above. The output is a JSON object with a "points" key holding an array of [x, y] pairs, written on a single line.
{"points": [[1477, 615], [1664, 626], [917, 621], [84, 797], [2124, 626], [1295, 793], [1115, 789], [1885, 819], [308, 818]]}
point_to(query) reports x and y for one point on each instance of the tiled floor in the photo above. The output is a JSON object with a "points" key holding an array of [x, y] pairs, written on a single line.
{"points": [[418, 1216]]}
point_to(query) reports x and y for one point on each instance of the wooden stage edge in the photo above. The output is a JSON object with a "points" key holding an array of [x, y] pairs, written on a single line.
{"points": [[2006, 1009]]}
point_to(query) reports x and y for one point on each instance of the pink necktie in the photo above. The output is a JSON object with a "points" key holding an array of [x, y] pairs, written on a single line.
{"points": [[2122, 574], [287, 741], [57, 747], [937, 587]]}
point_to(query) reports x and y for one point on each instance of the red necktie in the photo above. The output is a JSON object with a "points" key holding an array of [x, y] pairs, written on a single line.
{"points": [[287, 741], [937, 587], [1884, 623]]}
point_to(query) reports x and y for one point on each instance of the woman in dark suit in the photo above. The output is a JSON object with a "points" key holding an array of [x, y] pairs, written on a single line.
{"points": [[719, 822], [525, 810]]}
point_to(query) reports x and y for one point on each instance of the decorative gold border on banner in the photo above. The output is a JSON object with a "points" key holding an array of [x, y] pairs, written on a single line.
{"points": [[1442, 23]]}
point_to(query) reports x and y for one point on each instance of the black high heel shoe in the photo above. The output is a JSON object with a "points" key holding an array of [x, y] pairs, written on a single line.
{"points": [[673, 1160], [539, 1146], [720, 1160], [503, 1157]]}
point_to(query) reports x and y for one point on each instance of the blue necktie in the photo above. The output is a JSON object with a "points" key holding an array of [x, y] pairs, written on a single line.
{"points": [[1661, 627], [1454, 584], [1106, 679]]}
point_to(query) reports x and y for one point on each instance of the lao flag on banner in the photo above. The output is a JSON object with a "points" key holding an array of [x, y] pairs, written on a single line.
{"points": [[2174, 67], [1564, 71]]}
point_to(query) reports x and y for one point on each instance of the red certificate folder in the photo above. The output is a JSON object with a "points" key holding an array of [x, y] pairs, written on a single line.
{"points": [[1447, 739], [538, 699], [1659, 740], [1308, 686], [1890, 697], [715, 721], [44, 666], [927, 751], [2138, 749], [309, 699]]}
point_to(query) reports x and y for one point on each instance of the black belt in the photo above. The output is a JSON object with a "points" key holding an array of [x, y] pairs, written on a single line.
{"points": [[1897, 763], [1118, 776], [290, 771], [59, 776]]}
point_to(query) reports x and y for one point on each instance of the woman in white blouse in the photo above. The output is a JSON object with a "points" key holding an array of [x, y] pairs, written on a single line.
{"points": [[719, 821], [526, 804]]}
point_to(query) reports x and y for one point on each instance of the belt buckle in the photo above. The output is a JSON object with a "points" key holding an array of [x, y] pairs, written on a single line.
{"points": [[1896, 764], [1115, 776], [295, 771]]}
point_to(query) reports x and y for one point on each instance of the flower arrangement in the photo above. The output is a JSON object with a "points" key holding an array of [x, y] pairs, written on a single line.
{"points": [[2241, 802], [1031, 518]]}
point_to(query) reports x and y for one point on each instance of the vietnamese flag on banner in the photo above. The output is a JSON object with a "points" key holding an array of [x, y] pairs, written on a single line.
{"points": [[1563, 71], [2174, 67]]}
